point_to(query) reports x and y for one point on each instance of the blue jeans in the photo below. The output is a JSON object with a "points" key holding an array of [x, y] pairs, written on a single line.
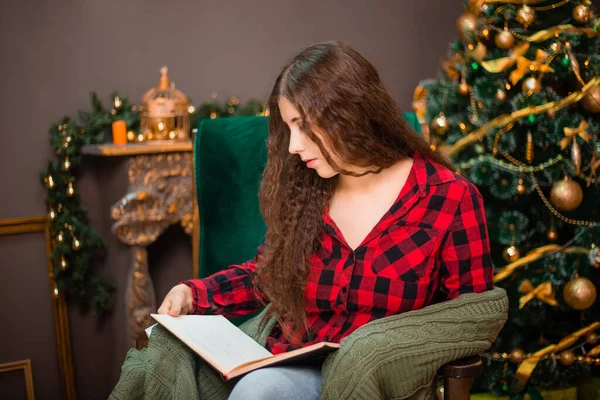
{"points": [[301, 382]]}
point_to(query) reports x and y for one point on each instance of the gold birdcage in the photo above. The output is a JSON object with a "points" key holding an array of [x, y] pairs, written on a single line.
{"points": [[164, 112]]}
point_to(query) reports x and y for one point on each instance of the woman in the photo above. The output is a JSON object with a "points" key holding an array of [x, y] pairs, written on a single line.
{"points": [[363, 219]]}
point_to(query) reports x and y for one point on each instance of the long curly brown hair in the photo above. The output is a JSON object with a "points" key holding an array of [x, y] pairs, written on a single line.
{"points": [[337, 91]]}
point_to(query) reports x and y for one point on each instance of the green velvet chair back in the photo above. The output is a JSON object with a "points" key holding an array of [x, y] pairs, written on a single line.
{"points": [[229, 156]]}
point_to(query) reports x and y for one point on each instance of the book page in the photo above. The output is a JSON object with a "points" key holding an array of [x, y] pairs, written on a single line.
{"points": [[215, 339], [317, 350], [149, 330]]}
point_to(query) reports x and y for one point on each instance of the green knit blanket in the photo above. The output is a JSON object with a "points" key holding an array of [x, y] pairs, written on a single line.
{"points": [[390, 358]]}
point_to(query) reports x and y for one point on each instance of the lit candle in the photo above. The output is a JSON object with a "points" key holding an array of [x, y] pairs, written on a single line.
{"points": [[119, 132]]}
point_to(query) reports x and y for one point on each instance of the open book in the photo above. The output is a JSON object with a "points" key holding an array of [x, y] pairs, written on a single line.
{"points": [[229, 350]]}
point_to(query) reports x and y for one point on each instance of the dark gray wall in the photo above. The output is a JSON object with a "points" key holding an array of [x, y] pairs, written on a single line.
{"points": [[52, 53]]}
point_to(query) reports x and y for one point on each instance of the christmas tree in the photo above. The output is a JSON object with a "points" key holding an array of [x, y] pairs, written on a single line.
{"points": [[516, 108]]}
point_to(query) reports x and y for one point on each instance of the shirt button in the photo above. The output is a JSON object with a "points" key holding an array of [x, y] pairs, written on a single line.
{"points": [[344, 289], [326, 338]]}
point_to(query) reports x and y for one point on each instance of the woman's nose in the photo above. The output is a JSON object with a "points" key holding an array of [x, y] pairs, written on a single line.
{"points": [[296, 142]]}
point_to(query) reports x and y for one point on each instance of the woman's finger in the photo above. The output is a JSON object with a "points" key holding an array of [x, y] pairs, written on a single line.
{"points": [[165, 306]]}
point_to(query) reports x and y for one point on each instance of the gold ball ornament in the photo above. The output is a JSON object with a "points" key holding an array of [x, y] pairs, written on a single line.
{"points": [[467, 24], [500, 95], [552, 234], [511, 253], [517, 355], [594, 256], [591, 100], [567, 358], [582, 13], [591, 338], [566, 194], [531, 85], [580, 293], [463, 88], [440, 124], [504, 40], [526, 16]]}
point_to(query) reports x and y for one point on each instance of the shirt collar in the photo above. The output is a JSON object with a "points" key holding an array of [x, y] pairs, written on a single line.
{"points": [[428, 172]]}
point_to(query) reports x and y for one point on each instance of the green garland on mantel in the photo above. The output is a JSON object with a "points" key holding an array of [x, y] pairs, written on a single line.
{"points": [[75, 243]]}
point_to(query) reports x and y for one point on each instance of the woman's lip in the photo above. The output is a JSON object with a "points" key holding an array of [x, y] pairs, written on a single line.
{"points": [[311, 162]]}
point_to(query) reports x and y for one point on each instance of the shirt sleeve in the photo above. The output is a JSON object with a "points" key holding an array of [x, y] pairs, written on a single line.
{"points": [[230, 292], [466, 263]]}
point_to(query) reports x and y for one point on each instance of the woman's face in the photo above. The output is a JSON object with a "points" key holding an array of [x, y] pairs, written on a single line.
{"points": [[302, 145]]}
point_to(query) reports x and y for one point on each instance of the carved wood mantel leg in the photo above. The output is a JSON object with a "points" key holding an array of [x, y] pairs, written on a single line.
{"points": [[140, 297], [159, 195]]}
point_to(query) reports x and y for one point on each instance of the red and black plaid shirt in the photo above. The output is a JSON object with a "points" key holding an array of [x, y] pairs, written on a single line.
{"points": [[432, 245]]}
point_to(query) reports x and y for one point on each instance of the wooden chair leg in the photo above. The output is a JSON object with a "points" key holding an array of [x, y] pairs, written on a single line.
{"points": [[457, 388]]}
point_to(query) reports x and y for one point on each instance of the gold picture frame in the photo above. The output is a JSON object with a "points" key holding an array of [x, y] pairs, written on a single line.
{"points": [[25, 365], [59, 308]]}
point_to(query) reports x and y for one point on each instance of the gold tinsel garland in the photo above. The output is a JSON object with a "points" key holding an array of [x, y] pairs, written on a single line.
{"points": [[503, 120], [534, 255], [531, 256], [502, 64], [528, 362], [528, 365]]}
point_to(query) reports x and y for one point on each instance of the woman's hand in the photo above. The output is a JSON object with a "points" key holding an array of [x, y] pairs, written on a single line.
{"points": [[179, 301]]}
